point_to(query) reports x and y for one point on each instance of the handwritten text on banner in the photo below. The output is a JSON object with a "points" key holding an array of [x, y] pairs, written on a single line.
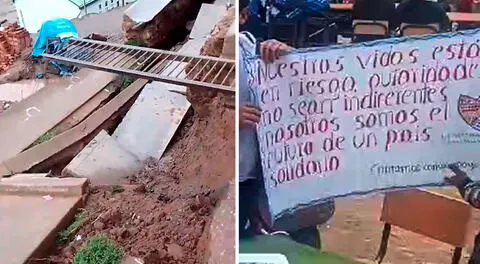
{"points": [[350, 120]]}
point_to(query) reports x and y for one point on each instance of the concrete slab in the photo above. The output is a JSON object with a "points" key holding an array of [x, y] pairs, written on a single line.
{"points": [[228, 50], [22, 238], [132, 260], [29, 175], [153, 119], [103, 161], [31, 118], [39, 185], [144, 10], [207, 18], [60, 143], [222, 230], [111, 22]]}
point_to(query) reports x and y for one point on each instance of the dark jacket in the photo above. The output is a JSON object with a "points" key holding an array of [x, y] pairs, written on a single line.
{"points": [[423, 12], [376, 10]]}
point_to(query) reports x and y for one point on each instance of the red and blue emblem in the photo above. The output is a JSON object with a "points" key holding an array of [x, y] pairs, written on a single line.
{"points": [[469, 110]]}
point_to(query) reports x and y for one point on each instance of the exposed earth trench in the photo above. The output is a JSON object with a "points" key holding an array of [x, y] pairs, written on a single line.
{"points": [[163, 213]]}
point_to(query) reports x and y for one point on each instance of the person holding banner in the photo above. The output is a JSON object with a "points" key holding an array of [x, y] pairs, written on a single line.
{"points": [[251, 187], [470, 192]]}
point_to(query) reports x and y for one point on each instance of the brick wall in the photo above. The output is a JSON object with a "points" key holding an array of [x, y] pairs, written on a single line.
{"points": [[13, 40]]}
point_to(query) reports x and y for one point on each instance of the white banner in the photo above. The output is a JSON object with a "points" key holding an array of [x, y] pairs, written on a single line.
{"points": [[339, 121]]}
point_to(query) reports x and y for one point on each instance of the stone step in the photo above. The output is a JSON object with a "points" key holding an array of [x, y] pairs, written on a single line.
{"points": [[37, 184]]}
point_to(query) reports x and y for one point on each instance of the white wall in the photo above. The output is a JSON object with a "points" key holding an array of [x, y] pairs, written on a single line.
{"points": [[32, 13], [101, 6]]}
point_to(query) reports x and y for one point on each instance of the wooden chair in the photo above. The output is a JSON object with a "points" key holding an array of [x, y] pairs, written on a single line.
{"points": [[364, 30], [417, 29], [437, 216]]}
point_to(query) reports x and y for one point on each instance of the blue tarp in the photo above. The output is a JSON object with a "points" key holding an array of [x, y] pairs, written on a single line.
{"points": [[60, 28]]}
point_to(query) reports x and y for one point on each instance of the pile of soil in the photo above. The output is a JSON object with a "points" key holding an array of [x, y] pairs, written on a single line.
{"points": [[157, 227], [21, 69], [164, 213]]}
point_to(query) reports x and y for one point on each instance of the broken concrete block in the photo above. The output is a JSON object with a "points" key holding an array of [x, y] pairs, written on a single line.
{"points": [[229, 43], [132, 260], [29, 175], [37, 185], [152, 121], [31, 225], [103, 161], [207, 18]]}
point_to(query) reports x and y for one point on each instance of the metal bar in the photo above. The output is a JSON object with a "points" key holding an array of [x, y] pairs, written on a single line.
{"points": [[196, 75], [151, 55], [193, 68], [137, 62], [170, 63], [79, 48], [105, 51], [115, 57], [151, 64], [226, 76], [176, 76], [126, 56], [108, 56], [218, 73], [144, 75], [159, 64], [148, 63], [208, 73], [66, 50], [130, 58], [150, 49], [178, 64]]}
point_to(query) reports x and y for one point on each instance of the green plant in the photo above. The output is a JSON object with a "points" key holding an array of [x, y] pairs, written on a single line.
{"points": [[126, 81], [134, 42], [117, 189], [45, 137], [99, 250], [65, 234]]}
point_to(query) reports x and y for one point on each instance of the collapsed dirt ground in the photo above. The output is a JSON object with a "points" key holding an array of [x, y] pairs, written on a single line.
{"points": [[163, 213]]}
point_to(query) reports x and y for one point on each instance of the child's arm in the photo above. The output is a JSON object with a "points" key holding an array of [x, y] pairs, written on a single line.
{"points": [[469, 189]]}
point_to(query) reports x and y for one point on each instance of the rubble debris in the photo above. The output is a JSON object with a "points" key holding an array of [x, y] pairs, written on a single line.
{"points": [[13, 40], [103, 161], [157, 31], [36, 185], [71, 140], [214, 46], [31, 118], [207, 18], [150, 124]]}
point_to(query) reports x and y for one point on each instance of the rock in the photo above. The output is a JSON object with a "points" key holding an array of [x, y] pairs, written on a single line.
{"points": [[68, 252], [175, 251], [98, 225], [123, 232], [137, 222], [140, 188], [132, 260], [133, 231]]}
